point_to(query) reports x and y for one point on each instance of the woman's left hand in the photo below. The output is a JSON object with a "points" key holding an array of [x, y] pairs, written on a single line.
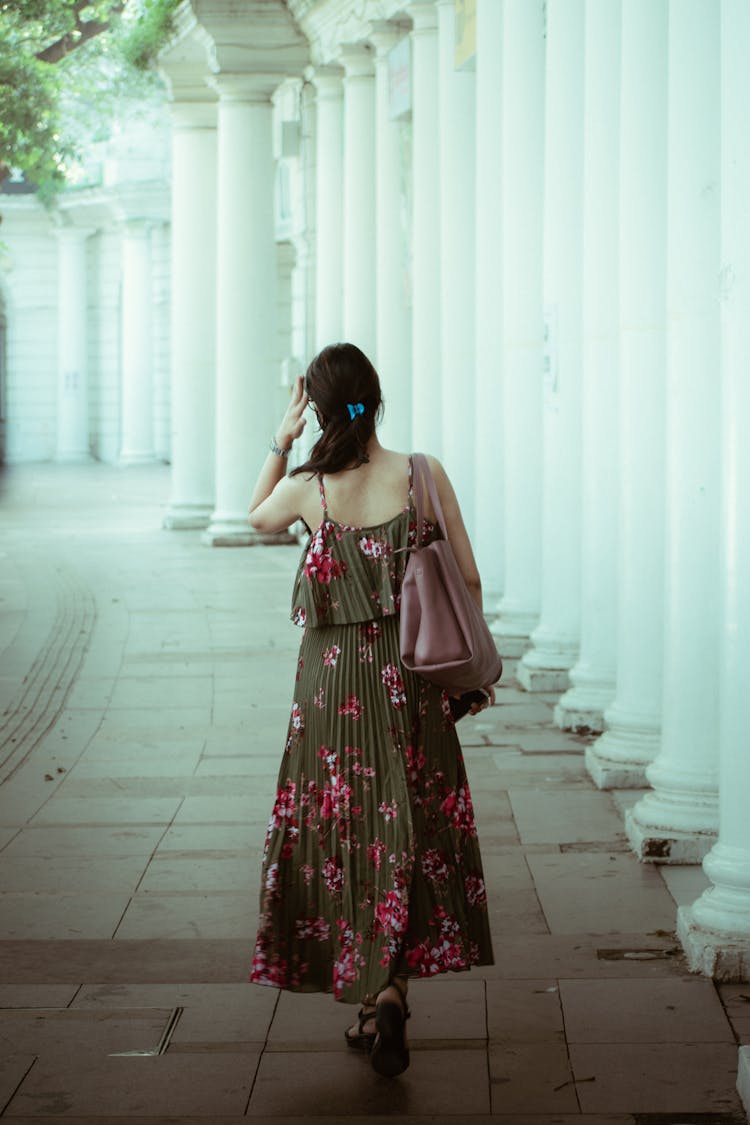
{"points": [[292, 424], [488, 702]]}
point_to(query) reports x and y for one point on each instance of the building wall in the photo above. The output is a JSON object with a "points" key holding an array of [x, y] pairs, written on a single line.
{"points": [[160, 256], [135, 186], [30, 285], [104, 265]]}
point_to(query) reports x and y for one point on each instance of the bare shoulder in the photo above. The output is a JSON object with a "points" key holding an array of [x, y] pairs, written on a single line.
{"points": [[303, 483], [436, 467], [305, 490], [439, 474]]}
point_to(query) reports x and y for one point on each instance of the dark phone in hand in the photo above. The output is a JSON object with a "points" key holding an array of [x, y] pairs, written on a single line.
{"points": [[460, 707]]}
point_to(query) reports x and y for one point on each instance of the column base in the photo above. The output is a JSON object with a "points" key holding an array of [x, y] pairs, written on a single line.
{"points": [[542, 679], [187, 517], [578, 711], [620, 758], [654, 844], [719, 955], [73, 457], [582, 708], [236, 533], [509, 645], [743, 1078], [126, 459], [546, 666], [512, 630], [607, 773]]}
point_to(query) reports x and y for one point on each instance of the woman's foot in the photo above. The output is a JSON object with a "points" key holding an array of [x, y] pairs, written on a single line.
{"points": [[361, 1035], [390, 1053]]}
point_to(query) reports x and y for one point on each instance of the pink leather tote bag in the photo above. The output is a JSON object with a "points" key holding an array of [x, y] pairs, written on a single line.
{"points": [[444, 637]]}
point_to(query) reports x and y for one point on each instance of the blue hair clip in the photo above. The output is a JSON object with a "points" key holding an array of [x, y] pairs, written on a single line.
{"points": [[354, 410]]}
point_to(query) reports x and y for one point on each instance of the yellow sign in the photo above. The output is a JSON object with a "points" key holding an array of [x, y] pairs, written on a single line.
{"points": [[466, 32]]}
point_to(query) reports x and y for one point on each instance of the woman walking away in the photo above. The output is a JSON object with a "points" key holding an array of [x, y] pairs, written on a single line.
{"points": [[372, 871]]}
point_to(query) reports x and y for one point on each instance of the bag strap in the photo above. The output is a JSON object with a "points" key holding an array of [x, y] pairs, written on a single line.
{"points": [[422, 473]]}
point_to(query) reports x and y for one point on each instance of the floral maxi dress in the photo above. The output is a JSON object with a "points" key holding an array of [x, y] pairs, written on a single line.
{"points": [[372, 864]]}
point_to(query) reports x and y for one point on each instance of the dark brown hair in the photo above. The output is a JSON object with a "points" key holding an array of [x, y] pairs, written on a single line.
{"points": [[339, 376]]}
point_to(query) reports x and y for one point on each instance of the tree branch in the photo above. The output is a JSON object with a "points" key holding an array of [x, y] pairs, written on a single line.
{"points": [[83, 31]]}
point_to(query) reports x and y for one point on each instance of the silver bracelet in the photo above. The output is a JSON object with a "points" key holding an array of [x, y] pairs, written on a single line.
{"points": [[277, 450]]}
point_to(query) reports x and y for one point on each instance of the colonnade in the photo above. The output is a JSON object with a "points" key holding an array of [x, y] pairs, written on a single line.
{"points": [[574, 348]]}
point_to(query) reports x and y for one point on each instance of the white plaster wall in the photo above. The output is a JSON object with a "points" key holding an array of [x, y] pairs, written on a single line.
{"points": [[303, 312], [160, 280], [295, 222], [104, 264], [30, 289]]}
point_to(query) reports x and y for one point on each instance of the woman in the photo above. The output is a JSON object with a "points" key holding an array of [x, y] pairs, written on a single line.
{"points": [[372, 871]]}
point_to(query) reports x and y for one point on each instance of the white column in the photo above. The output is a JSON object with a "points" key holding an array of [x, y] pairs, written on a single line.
{"points": [[677, 823], [359, 197], [329, 205], [137, 418], [160, 338], [72, 346], [490, 482], [619, 758], [521, 201], [545, 666], [715, 930], [427, 411], [593, 677], [193, 313], [457, 263], [246, 263], [393, 312]]}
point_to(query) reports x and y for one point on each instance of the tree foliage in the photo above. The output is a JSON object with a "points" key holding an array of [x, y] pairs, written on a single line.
{"points": [[65, 66]]}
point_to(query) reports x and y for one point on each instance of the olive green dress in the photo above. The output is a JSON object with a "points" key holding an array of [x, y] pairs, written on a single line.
{"points": [[372, 864]]}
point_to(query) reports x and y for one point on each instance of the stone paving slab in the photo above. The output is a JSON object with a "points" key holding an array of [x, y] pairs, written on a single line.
{"points": [[553, 816], [403, 1119], [525, 1011], [682, 1010], [600, 893], [36, 916], [37, 995], [71, 1033], [531, 1078], [680, 1078], [206, 914], [195, 1085], [60, 961], [448, 1082], [223, 1014], [82, 840]]}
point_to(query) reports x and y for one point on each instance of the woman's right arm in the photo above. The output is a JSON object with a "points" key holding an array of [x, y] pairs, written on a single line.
{"points": [[456, 529], [459, 541]]}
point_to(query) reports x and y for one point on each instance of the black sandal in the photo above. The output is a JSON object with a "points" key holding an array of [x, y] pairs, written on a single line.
{"points": [[362, 1040], [390, 1055]]}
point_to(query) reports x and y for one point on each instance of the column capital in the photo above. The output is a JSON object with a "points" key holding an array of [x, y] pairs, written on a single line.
{"points": [[424, 16], [70, 234], [327, 80], [385, 34], [245, 87], [193, 114], [136, 227], [358, 60]]}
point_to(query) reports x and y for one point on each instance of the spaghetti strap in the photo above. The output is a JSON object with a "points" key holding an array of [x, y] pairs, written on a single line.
{"points": [[322, 491], [410, 493]]}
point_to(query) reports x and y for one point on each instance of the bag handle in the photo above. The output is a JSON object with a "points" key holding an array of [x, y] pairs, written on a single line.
{"points": [[422, 472]]}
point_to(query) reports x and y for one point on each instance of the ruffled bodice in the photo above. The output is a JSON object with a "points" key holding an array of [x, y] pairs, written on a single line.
{"points": [[349, 574]]}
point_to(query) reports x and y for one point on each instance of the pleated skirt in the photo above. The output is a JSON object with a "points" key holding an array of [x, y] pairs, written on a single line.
{"points": [[372, 865]]}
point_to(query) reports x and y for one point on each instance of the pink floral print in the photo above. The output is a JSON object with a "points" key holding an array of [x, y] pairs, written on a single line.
{"points": [[372, 863]]}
